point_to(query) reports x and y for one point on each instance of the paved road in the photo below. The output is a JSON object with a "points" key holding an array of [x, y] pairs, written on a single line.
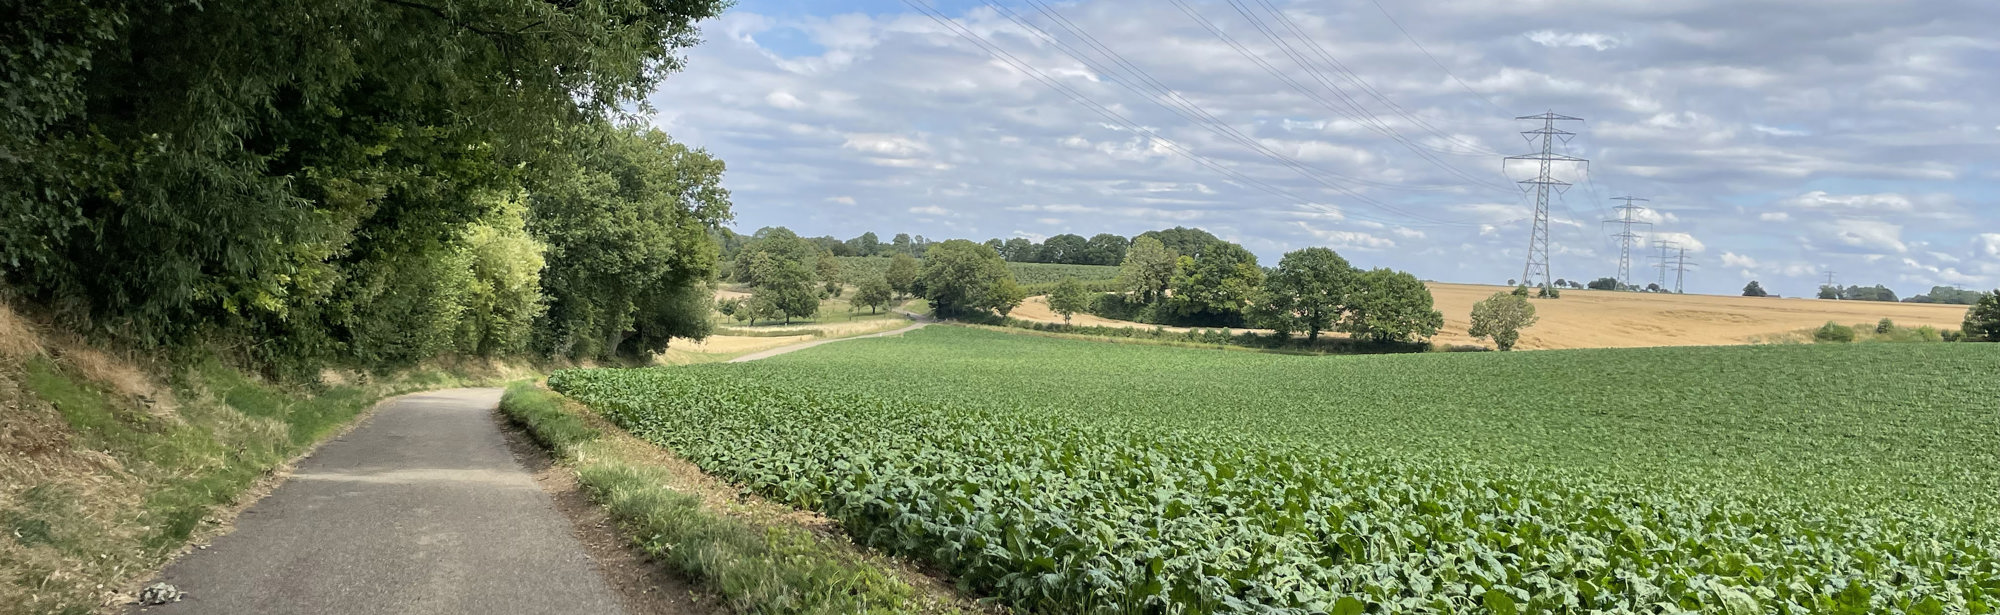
{"points": [[921, 322], [420, 510]]}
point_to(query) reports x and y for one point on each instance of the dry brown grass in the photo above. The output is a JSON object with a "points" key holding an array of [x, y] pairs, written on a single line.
{"points": [[18, 339], [1608, 319]]}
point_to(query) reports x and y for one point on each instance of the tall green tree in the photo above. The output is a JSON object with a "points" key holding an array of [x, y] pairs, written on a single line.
{"points": [[1068, 298], [902, 274], [1753, 289], [1217, 283], [1386, 305], [1148, 269], [627, 228], [874, 292], [1502, 317], [1308, 291], [786, 285], [505, 293], [960, 277]]}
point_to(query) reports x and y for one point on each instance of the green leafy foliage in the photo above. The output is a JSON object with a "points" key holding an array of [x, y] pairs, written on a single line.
{"points": [[1982, 322], [1386, 305], [1307, 292], [961, 277], [306, 175], [1081, 477], [1069, 298], [1148, 268], [873, 292], [1834, 333], [1502, 317]]}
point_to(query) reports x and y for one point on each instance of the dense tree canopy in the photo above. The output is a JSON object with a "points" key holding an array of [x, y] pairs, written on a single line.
{"points": [[1390, 306], [1216, 284], [301, 173], [1308, 291], [1182, 241], [959, 277]]}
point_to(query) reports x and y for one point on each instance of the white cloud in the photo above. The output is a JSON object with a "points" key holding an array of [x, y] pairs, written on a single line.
{"points": [[930, 210], [1821, 200], [1774, 216], [886, 144], [1593, 40], [1990, 244], [783, 100], [1868, 234], [844, 200], [1732, 259]]}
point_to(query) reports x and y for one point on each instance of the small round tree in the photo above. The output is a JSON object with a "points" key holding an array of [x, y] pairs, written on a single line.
{"points": [[1502, 317], [1068, 298], [1753, 289]]}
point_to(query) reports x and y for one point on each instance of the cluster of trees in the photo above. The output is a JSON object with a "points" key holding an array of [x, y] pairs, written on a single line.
{"points": [[354, 180], [1311, 291], [789, 276], [1877, 292], [1949, 296]]}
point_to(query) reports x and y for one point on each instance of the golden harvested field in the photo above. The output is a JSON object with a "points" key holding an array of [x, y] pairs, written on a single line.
{"points": [[1607, 319]]}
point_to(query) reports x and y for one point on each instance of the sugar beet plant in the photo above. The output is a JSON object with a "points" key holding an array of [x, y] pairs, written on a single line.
{"points": [[1063, 507]]}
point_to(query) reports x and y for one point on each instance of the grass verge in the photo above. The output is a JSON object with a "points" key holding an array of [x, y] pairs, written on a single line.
{"points": [[756, 556], [110, 465]]}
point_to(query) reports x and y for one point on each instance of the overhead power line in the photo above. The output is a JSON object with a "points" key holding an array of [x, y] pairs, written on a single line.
{"points": [[1340, 103], [1434, 60]]}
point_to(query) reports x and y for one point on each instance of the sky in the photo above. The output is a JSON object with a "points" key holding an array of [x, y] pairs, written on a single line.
{"points": [[1776, 141]]}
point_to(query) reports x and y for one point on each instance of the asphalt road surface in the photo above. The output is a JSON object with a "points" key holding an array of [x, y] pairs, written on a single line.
{"points": [[420, 510]]}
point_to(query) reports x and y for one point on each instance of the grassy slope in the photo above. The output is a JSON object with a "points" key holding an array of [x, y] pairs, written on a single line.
{"points": [[109, 469]]}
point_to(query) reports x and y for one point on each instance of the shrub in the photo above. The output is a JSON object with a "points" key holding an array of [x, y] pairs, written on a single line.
{"points": [[1834, 333], [1885, 326]]}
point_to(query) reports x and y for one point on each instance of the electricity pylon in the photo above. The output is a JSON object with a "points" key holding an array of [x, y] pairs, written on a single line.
{"points": [[1538, 238], [1625, 236]]}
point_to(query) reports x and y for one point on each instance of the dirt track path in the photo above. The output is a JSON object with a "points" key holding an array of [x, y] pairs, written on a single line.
{"points": [[919, 323], [422, 509]]}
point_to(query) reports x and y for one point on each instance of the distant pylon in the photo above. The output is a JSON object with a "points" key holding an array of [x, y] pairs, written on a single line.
{"points": [[1625, 236], [1538, 238], [1664, 247], [1680, 269]]}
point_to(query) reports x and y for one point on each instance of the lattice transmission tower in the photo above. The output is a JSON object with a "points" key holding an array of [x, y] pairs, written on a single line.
{"points": [[1665, 247], [1625, 235], [1538, 239]]}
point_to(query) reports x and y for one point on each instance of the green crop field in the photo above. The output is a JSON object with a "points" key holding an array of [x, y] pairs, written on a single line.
{"points": [[1079, 477], [859, 267]]}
